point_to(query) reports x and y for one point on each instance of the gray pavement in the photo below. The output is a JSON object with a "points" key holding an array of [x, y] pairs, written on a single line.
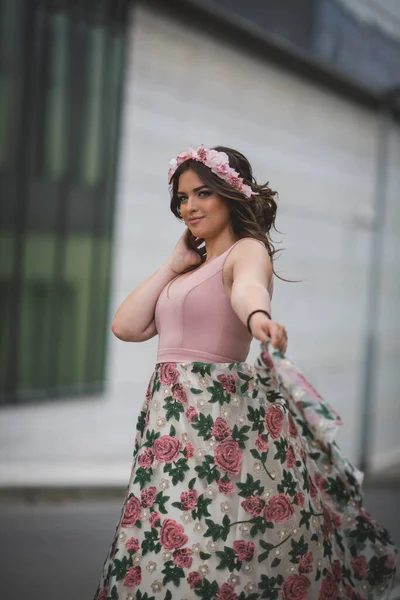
{"points": [[54, 550]]}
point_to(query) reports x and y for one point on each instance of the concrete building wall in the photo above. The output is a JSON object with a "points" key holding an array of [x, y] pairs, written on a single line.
{"points": [[317, 149]]}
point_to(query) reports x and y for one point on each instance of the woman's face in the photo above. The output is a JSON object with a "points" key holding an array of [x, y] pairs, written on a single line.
{"points": [[205, 213]]}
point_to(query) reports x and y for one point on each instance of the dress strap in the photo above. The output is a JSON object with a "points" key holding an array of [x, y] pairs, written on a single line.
{"points": [[227, 252]]}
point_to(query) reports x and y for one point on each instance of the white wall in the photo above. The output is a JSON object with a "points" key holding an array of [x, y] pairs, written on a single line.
{"points": [[386, 406], [316, 149]]}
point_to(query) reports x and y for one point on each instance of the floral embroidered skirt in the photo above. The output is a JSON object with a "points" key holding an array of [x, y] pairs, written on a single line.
{"points": [[238, 491]]}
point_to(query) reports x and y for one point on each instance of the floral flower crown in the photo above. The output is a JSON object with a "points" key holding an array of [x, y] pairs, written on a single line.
{"points": [[218, 162]]}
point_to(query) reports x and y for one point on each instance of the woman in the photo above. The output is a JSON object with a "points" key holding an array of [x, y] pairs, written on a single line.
{"points": [[237, 490]]}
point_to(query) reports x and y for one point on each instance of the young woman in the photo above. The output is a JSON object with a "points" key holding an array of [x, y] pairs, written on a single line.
{"points": [[237, 489]]}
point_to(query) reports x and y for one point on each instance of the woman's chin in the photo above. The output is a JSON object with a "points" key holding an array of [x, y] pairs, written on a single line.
{"points": [[197, 230]]}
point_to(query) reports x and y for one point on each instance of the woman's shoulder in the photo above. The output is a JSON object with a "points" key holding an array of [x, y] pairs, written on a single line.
{"points": [[249, 247]]}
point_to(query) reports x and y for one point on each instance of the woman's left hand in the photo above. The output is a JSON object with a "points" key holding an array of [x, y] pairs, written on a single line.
{"points": [[262, 328]]}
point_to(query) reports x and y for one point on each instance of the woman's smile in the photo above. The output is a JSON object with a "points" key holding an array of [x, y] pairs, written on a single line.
{"points": [[195, 220]]}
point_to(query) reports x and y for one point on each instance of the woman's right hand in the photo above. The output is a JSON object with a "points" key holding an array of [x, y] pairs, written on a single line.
{"points": [[183, 255]]}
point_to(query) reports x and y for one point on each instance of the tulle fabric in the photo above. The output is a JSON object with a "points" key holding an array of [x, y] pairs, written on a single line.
{"points": [[238, 491]]}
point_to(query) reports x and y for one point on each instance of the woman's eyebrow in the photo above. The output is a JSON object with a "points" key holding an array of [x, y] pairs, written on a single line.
{"points": [[195, 189]]}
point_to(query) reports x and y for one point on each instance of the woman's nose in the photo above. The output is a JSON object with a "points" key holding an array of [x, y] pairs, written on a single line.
{"points": [[191, 203]]}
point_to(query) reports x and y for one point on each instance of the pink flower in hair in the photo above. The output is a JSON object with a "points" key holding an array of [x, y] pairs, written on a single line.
{"points": [[218, 162]]}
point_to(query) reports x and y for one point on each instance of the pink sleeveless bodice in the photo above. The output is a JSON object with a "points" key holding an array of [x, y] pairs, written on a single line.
{"points": [[197, 322]]}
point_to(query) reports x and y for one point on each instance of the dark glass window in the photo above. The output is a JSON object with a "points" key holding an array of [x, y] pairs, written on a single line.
{"points": [[61, 73]]}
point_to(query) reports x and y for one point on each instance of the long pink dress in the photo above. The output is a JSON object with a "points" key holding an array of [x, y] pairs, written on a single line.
{"points": [[238, 490]]}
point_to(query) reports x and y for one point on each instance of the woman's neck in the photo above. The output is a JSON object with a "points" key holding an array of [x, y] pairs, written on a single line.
{"points": [[216, 246]]}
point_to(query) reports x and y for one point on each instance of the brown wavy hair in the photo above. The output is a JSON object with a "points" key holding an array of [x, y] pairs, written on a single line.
{"points": [[250, 217]]}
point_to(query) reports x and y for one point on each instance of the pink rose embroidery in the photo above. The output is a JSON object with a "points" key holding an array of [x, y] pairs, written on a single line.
{"points": [[172, 535], [183, 558], [154, 518], [191, 413], [168, 373], [148, 496], [225, 487], [279, 509], [179, 393], [226, 592], [295, 587], [244, 550], [320, 481], [146, 458], [132, 512], [167, 448], [329, 589], [261, 443], [274, 421], [299, 499], [228, 457], [189, 499], [228, 383], [290, 458], [337, 570], [253, 505], [360, 567], [189, 450], [133, 577], [194, 578], [313, 489], [132, 544], [148, 392], [220, 429], [327, 526], [103, 594], [306, 563], [292, 426]]}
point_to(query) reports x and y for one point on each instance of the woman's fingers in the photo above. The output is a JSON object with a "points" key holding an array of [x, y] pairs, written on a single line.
{"points": [[273, 331], [278, 336]]}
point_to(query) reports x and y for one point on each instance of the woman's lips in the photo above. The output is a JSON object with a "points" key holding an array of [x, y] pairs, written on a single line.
{"points": [[194, 221]]}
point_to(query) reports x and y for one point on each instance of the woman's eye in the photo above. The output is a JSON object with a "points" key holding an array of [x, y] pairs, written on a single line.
{"points": [[206, 193]]}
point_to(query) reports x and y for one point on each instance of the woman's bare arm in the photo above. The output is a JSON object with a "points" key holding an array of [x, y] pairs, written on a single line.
{"points": [[252, 272], [134, 319]]}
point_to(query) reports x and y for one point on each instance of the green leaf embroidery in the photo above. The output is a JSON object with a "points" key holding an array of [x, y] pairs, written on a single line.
{"points": [[202, 368], [207, 590], [239, 435], [299, 549], [201, 509], [250, 487], [218, 531], [203, 425], [173, 408], [143, 476], [218, 394], [287, 484], [228, 560], [172, 573], [206, 471], [177, 470], [121, 567], [281, 447], [161, 500]]}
